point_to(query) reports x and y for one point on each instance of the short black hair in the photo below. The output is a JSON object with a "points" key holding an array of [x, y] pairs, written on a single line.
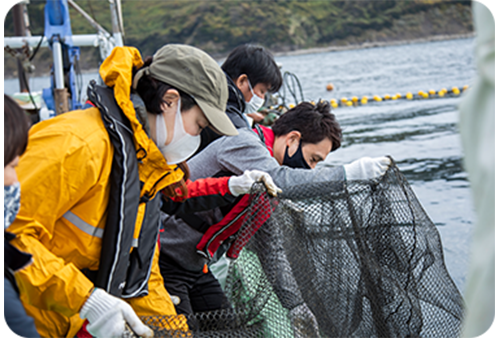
{"points": [[257, 63], [314, 122], [152, 91], [16, 126]]}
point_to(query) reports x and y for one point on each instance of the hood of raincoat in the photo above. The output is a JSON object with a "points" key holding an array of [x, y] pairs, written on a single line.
{"points": [[116, 72]]}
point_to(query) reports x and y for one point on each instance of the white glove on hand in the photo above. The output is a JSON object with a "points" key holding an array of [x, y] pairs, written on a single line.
{"points": [[108, 314], [242, 184], [367, 168], [304, 322]]}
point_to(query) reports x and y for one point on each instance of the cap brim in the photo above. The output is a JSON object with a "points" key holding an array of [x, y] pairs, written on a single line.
{"points": [[219, 120]]}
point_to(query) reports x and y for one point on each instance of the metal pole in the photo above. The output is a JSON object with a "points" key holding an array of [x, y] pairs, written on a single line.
{"points": [[58, 64], [82, 40], [26, 17], [20, 30], [60, 91], [120, 16], [116, 23]]}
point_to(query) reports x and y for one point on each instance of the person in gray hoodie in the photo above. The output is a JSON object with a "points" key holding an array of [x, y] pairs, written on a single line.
{"points": [[288, 152]]}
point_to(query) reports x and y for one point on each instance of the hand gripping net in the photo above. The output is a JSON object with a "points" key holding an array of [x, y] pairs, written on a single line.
{"points": [[355, 259]]}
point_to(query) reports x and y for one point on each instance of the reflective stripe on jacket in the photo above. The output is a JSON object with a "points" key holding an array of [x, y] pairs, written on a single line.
{"points": [[64, 176]]}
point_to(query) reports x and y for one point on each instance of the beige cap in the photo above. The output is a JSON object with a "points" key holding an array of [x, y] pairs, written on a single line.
{"points": [[196, 73]]}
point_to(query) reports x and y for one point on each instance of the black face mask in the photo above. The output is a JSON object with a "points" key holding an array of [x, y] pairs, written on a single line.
{"points": [[297, 159]]}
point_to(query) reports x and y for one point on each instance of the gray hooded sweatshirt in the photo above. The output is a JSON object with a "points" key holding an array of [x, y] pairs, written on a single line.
{"points": [[232, 155]]}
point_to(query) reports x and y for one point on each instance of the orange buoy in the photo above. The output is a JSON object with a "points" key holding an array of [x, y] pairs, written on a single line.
{"points": [[329, 87]]}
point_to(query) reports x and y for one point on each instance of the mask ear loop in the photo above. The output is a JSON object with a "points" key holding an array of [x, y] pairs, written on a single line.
{"points": [[161, 130], [251, 88], [179, 129]]}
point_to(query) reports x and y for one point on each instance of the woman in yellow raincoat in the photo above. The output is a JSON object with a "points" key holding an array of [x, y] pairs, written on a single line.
{"points": [[90, 211]]}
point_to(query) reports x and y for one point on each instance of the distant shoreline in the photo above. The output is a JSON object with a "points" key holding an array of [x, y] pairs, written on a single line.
{"points": [[315, 50]]}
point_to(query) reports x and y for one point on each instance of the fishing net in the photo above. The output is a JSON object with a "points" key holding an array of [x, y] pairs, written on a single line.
{"points": [[356, 259]]}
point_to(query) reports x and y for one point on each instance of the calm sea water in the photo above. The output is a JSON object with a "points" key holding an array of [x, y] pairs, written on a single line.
{"points": [[422, 136]]}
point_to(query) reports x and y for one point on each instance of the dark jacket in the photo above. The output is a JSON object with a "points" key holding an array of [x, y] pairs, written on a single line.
{"points": [[235, 109], [15, 315]]}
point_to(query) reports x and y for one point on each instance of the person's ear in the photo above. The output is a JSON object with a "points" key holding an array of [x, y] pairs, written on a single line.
{"points": [[171, 97], [293, 138], [241, 82]]}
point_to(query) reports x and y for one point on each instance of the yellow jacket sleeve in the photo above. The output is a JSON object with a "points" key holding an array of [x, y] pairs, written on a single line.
{"points": [[49, 283], [59, 169]]}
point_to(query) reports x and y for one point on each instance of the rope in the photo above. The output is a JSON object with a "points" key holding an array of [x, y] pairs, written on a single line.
{"points": [[36, 49]]}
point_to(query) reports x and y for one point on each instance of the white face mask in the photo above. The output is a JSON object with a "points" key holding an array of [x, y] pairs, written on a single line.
{"points": [[255, 102], [182, 146]]}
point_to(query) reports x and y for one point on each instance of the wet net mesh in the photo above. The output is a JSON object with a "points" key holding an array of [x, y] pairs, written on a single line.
{"points": [[361, 259]]}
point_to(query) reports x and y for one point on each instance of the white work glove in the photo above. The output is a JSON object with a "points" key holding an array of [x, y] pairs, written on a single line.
{"points": [[304, 322], [239, 185], [108, 314], [367, 168]]}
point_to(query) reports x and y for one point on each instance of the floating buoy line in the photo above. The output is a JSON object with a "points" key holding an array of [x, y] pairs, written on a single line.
{"points": [[356, 101], [420, 95], [276, 106]]}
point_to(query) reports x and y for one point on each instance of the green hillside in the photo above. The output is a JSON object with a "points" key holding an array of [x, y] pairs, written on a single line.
{"points": [[219, 26]]}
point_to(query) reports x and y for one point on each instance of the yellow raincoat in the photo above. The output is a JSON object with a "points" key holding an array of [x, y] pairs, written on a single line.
{"points": [[64, 177]]}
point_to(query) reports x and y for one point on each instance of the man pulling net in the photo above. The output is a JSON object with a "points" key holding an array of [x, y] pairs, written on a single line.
{"points": [[366, 258]]}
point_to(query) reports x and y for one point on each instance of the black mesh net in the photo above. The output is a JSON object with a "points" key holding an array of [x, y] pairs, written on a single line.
{"points": [[360, 259]]}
